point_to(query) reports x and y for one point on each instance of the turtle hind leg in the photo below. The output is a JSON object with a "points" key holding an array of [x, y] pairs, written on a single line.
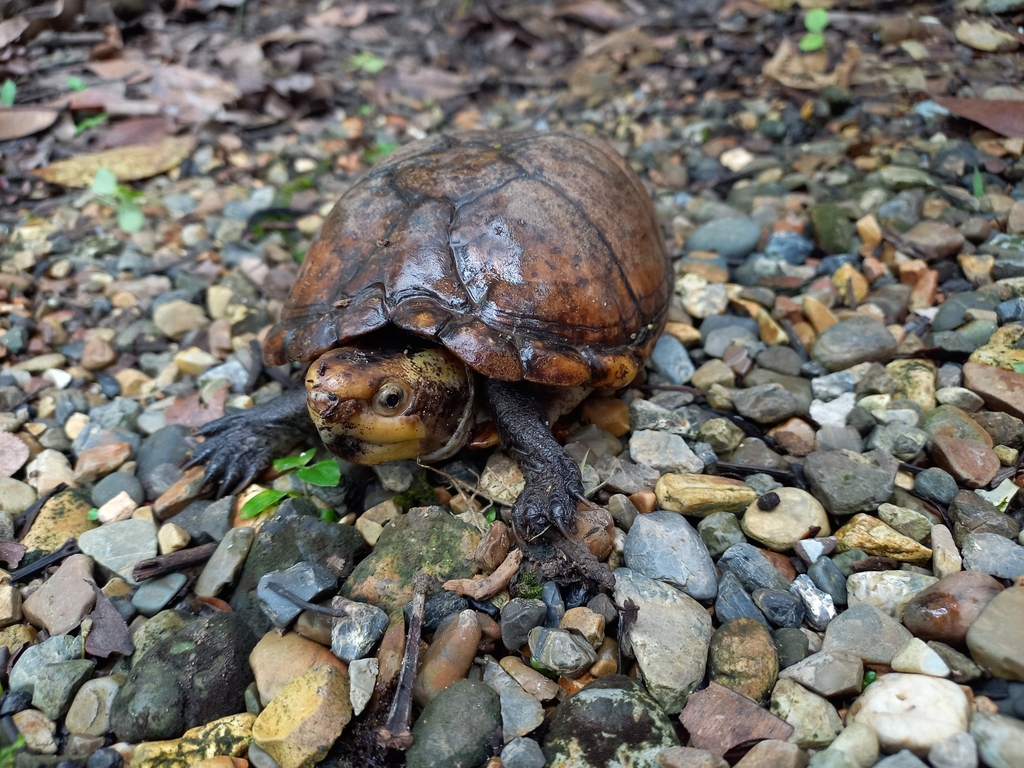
{"points": [[553, 481], [240, 446]]}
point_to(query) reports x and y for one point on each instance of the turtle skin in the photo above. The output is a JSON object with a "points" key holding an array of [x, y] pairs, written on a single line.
{"points": [[535, 257]]}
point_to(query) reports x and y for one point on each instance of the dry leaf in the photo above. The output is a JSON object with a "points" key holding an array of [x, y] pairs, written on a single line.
{"points": [[190, 411], [431, 83], [597, 13], [351, 16], [137, 130], [794, 70], [1002, 116], [194, 96], [130, 70], [18, 122], [11, 30], [131, 163]]}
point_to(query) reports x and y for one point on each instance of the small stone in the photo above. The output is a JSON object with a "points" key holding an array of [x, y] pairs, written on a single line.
{"points": [[560, 652], [712, 372], [889, 591], [797, 515], [773, 753], [56, 685], [171, 538], [64, 599], [946, 559], [853, 341], [982, 36], [936, 485], [663, 451], [120, 507], [855, 747], [518, 617], [957, 751], [225, 564], [53, 650], [721, 434], [907, 521], [155, 594], [354, 634], [874, 537], [946, 610], [718, 719], [765, 403], [997, 635], [752, 568], [177, 317], [277, 660], [911, 711], [671, 360], [719, 531], [455, 727], [701, 495], [828, 674], [90, 710], [847, 482], [49, 469], [972, 514], [521, 713], [662, 545], [742, 658], [15, 496], [532, 681], [194, 361], [998, 738], [993, 554], [917, 658], [815, 722], [39, 731], [307, 581], [970, 462], [119, 546], [449, 656], [301, 723], [867, 632], [13, 454], [585, 623]]}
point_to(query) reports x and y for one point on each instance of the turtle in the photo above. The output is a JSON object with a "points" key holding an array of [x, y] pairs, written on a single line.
{"points": [[496, 272]]}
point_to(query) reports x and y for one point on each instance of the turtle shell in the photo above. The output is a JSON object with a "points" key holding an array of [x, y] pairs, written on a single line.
{"points": [[531, 256]]}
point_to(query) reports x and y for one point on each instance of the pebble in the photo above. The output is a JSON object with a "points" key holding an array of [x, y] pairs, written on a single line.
{"points": [[560, 652], [866, 632], [119, 546], [888, 591], [671, 360], [858, 340], [993, 554], [663, 451], [155, 594], [56, 685], [997, 635], [719, 531], [815, 722], [946, 610], [752, 568], [354, 633], [919, 658], [718, 719], [307, 581], [957, 751], [15, 496], [663, 546], [449, 656], [227, 560], [278, 659], [454, 727], [855, 747], [521, 713], [873, 537], [64, 599], [89, 713], [847, 482], [796, 516], [522, 753], [518, 616], [701, 495], [742, 658], [999, 739], [911, 711], [828, 673]]}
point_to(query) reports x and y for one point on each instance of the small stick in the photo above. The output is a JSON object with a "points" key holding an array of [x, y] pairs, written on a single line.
{"points": [[176, 561], [395, 734], [25, 519], [337, 613], [628, 615], [68, 548], [481, 589]]}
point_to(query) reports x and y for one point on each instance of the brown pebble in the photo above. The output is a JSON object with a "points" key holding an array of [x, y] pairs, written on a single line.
{"points": [[97, 354], [644, 501], [608, 413], [493, 547], [449, 656], [945, 610]]}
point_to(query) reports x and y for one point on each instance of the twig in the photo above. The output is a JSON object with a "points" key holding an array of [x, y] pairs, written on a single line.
{"points": [[25, 519], [68, 548], [395, 733], [481, 589], [337, 613], [463, 486], [176, 561]]}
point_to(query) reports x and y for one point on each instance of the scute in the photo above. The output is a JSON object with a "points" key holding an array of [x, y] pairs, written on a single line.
{"points": [[531, 256]]}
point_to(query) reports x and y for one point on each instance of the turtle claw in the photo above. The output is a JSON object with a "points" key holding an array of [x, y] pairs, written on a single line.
{"points": [[544, 504]]}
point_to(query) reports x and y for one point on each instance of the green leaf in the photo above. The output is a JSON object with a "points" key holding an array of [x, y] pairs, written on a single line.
{"points": [[130, 217], [8, 92], [260, 502], [1018, 367], [326, 474], [91, 122], [328, 516], [365, 110], [978, 183], [379, 150], [816, 20], [76, 84], [368, 62], [813, 41], [492, 515], [93, 514], [105, 182], [294, 462]]}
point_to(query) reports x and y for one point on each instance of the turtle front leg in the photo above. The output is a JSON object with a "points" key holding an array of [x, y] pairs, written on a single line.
{"points": [[239, 446], [553, 481]]}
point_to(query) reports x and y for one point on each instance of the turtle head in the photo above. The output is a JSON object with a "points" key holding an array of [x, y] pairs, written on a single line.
{"points": [[372, 405]]}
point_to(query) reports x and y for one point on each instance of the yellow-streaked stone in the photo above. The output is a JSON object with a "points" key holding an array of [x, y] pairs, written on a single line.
{"points": [[228, 736], [700, 495], [873, 537]]}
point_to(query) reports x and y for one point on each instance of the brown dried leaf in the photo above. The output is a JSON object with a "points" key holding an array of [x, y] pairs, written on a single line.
{"points": [[195, 96], [130, 163], [109, 633], [795, 70], [597, 13], [130, 70], [1002, 116], [11, 29], [18, 122], [137, 130], [189, 411], [431, 83], [350, 16]]}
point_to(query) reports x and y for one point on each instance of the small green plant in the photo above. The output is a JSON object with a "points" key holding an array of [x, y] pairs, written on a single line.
{"points": [[90, 122], [368, 62], [7, 92], [76, 84], [129, 215], [379, 150], [325, 474], [978, 183], [93, 514], [869, 677], [9, 754], [365, 110], [815, 21]]}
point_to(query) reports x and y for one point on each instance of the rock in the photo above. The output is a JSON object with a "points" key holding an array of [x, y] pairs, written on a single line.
{"points": [[765, 403], [13, 454], [49, 469], [521, 713], [855, 747], [522, 753], [819, 607], [89, 713], [718, 719], [918, 658], [815, 722], [911, 711], [532, 681], [228, 559], [305, 718], [449, 656], [993, 554], [889, 591], [662, 545], [970, 462], [742, 658], [586, 623], [958, 751], [982, 36], [795, 436], [998, 738], [935, 484], [560, 651], [796, 515], [874, 537], [64, 599], [730, 238], [847, 482], [356, 629], [455, 727], [227, 737], [774, 754], [100, 461], [972, 514], [752, 568], [1001, 390], [781, 607], [518, 616], [177, 317], [362, 681], [39, 731], [907, 521], [733, 602], [866, 632], [15, 496], [119, 546], [671, 360], [828, 673], [51, 651], [425, 538], [669, 638], [858, 340], [155, 594], [719, 531], [689, 757], [945, 610], [308, 581], [946, 559], [663, 451], [277, 660], [190, 677], [701, 495], [114, 485], [996, 636]]}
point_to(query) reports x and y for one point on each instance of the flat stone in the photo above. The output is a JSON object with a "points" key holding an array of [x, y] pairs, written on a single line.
{"points": [[855, 747], [958, 751], [13, 454], [51, 651], [847, 482], [455, 727], [911, 711], [64, 599], [100, 461], [354, 633], [866, 632], [153, 595], [815, 722], [701, 495], [119, 546], [662, 545], [449, 657], [669, 638], [1001, 390], [773, 753], [918, 658], [998, 738], [39, 731], [972, 514], [663, 451], [997, 635], [742, 658], [889, 591], [227, 560], [177, 317], [828, 673], [561, 652], [993, 554], [56, 685], [718, 719], [752, 568], [765, 403], [873, 537], [307, 581], [532, 681], [225, 738], [970, 462], [795, 517], [858, 340], [15, 496], [278, 659], [945, 610], [49, 469], [303, 721], [521, 713], [90, 710]]}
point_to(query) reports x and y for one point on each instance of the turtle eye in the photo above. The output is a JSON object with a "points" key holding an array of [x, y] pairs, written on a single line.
{"points": [[391, 399]]}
